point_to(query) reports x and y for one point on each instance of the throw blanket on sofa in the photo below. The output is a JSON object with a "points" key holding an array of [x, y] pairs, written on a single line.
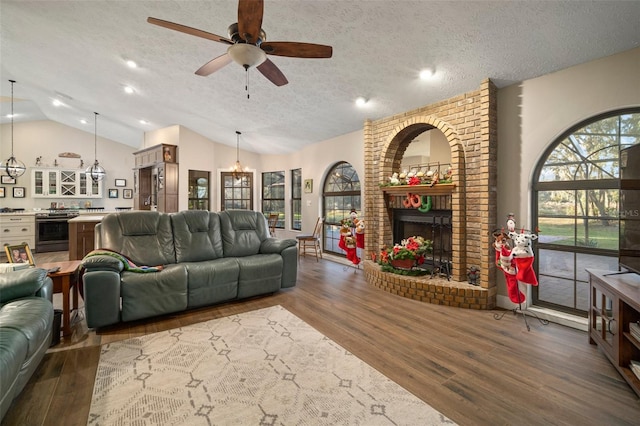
{"points": [[128, 263]]}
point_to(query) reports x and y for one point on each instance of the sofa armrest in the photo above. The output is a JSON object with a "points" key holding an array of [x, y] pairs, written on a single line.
{"points": [[102, 263], [275, 245], [23, 283]]}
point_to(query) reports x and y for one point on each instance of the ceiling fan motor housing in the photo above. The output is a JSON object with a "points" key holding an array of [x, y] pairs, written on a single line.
{"points": [[235, 37]]}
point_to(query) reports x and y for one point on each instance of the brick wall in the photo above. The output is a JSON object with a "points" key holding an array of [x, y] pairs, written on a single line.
{"points": [[469, 122]]}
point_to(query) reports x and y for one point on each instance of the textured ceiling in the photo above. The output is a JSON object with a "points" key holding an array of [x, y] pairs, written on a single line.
{"points": [[76, 50]]}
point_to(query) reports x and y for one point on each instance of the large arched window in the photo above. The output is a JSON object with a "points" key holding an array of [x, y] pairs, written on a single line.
{"points": [[341, 193], [575, 199]]}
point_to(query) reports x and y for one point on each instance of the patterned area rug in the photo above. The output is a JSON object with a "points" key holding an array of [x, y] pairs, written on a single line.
{"points": [[265, 367]]}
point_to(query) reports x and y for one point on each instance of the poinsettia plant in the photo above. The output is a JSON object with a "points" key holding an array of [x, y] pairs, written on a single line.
{"points": [[413, 248]]}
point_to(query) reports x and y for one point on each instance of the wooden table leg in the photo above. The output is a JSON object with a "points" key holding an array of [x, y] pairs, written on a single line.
{"points": [[66, 326]]}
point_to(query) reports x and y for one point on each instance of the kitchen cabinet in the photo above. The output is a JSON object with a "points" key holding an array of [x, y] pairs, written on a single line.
{"points": [[63, 183], [614, 305], [82, 235], [156, 178], [17, 229]]}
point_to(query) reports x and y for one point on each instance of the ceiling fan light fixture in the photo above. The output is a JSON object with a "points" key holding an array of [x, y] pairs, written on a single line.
{"points": [[247, 55], [12, 166]]}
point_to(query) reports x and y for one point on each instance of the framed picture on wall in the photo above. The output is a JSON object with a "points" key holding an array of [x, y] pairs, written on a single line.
{"points": [[127, 193], [308, 186], [18, 192], [6, 179], [2, 192], [113, 193], [121, 182]]}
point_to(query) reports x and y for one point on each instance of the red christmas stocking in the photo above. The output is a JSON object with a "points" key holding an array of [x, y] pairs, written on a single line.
{"points": [[525, 270], [359, 240], [515, 295], [352, 256]]}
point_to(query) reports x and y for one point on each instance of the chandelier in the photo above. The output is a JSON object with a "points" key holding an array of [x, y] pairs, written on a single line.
{"points": [[14, 167], [236, 171], [96, 171]]}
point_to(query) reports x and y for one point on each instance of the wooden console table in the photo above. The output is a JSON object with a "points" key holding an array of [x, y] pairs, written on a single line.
{"points": [[64, 281], [614, 303]]}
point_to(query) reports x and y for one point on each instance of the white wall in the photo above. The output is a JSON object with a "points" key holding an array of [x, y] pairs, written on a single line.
{"points": [[48, 139], [533, 113]]}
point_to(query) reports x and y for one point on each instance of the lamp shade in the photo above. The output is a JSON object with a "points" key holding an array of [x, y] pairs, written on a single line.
{"points": [[247, 55]]}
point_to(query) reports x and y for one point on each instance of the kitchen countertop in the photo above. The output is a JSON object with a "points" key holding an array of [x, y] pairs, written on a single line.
{"points": [[87, 218]]}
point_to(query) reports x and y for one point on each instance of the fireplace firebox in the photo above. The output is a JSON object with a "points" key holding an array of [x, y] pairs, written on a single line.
{"points": [[434, 225]]}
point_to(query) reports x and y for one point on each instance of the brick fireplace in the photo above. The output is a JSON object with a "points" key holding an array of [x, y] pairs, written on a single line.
{"points": [[469, 123]]}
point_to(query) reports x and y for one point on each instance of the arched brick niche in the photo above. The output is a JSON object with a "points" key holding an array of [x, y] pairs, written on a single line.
{"points": [[468, 122]]}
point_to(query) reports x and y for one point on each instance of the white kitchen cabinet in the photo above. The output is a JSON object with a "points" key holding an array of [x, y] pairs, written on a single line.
{"points": [[17, 229], [63, 183]]}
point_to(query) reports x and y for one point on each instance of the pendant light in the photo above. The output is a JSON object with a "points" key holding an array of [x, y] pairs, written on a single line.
{"points": [[14, 168], [96, 171], [236, 172]]}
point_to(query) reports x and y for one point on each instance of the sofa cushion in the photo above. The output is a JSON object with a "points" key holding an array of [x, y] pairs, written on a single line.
{"points": [[197, 235], [145, 237], [153, 293], [212, 281], [32, 317], [243, 231], [259, 274]]}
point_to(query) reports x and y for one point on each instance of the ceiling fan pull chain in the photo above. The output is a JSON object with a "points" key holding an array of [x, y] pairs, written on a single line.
{"points": [[246, 86]]}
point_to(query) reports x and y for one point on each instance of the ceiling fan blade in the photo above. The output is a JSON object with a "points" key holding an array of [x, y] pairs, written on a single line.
{"points": [[188, 30], [214, 65], [273, 73], [250, 19], [294, 49]]}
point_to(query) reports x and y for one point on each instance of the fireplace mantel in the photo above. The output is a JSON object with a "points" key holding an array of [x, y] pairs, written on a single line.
{"points": [[438, 189]]}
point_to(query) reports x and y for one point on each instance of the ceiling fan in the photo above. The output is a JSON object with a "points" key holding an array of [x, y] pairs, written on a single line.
{"points": [[248, 45]]}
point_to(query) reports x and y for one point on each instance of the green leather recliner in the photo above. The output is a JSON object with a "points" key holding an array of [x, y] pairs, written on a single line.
{"points": [[26, 320], [206, 258]]}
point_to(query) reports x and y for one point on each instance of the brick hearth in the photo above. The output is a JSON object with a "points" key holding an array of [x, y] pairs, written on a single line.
{"points": [[469, 122]]}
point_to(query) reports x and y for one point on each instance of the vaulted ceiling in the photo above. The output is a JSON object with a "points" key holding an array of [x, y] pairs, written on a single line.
{"points": [[76, 52]]}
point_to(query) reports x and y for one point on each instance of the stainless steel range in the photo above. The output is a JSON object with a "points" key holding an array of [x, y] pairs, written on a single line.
{"points": [[52, 230]]}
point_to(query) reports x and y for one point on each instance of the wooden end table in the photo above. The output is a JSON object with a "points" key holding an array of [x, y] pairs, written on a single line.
{"points": [[63, 283]]}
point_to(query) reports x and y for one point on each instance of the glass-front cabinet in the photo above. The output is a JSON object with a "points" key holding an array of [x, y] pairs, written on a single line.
{"points": [[63, 183]]}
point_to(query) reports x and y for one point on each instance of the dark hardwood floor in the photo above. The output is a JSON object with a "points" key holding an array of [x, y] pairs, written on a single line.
{"points": [[464, 363]]}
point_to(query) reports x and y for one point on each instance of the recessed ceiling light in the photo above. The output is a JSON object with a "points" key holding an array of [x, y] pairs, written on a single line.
{"points": [[361, 102], [426, 74], [144, 122], [83, 121], [128, 89], [11, 115], [132, 64], [57, 103]]}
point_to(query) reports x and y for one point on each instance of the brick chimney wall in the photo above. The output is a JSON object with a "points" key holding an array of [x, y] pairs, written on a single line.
{"points": [[469, 122]]}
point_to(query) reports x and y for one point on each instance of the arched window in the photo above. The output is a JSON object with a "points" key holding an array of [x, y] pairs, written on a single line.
{"points": [[341, 193], [575, 208]]}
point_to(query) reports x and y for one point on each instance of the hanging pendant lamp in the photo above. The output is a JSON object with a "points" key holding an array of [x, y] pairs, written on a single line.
{"points": [[96, 171], [236, 172], [12, 166]]}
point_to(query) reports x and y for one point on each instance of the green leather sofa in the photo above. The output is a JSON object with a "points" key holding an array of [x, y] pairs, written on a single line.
{"points": [[206, 258], [26, 320]]}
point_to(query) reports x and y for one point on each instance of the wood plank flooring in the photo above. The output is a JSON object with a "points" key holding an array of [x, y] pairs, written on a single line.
{"points": [[474, 369]]}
